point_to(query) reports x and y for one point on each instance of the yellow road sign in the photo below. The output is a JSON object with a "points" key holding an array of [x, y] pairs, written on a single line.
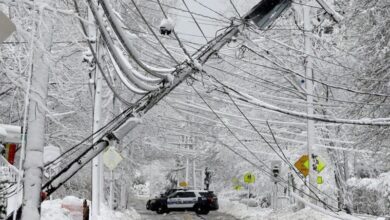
{"points": [[300, 165], [237, 187], [249, 178], [183, 184], [320, 180], [303, 164], [320, 164]]}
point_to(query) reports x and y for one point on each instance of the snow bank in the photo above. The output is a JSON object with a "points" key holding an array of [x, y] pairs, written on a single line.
{"points": [[52, 210], [59, 210], [303, 214], [129, 214], [241, 211]]}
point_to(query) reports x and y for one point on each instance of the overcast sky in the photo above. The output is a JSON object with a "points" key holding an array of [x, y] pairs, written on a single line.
{"points": [[186, 25]]}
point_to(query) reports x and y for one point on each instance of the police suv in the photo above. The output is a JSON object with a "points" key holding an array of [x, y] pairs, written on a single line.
{"points": [[200, 201]]}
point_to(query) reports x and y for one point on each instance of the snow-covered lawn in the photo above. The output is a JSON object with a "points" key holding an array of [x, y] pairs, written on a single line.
{"points": [[53, 210]]}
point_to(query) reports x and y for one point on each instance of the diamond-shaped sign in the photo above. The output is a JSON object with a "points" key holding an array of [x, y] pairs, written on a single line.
{"points": [[320, 164], [6, 27], [183, 184], [249, 178], [111, 158], [300, 165]]}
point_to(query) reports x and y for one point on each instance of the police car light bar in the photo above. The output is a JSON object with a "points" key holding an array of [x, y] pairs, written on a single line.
{"points": [[267, 11]]}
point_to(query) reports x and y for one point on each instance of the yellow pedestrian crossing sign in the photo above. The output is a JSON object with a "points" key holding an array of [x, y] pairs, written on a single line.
{"points": [[319, 164], [320, 180], [249, 178]]}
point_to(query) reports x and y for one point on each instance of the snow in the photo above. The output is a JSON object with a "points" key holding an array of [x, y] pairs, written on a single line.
{"points": [[241, 211], [382, 183], [167, 23], [54, 210]]}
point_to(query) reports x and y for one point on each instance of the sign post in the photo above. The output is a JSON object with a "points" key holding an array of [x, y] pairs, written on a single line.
{"points": [[111, 158], [276, 171], [249, 178]]}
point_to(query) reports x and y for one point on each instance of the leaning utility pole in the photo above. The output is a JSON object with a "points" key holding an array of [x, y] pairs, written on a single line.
{"points": [[262, 14], [307, 27], [33, 163]]}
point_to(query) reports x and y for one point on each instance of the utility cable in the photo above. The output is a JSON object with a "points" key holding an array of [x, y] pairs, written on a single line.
{"points": [[84, 29], [116, 25], [174, 32], [207, 7], [264, 165], [116, 53], [196, 22], [154, 34], [197, 14], [235, 8], [284, 159], [320, 82]]}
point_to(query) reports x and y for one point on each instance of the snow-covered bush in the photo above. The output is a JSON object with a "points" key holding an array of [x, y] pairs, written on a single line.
{"points": [[369, 195]]}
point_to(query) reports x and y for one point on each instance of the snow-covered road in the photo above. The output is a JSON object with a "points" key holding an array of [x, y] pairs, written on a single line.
{"points": [[139, 205]]}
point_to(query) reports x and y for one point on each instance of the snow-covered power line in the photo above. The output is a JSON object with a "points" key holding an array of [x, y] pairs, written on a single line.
{"points": [[252, 100], [99, 65], [124, 80], [264, 166], [154, 34], [116, 53], [116, 24]]}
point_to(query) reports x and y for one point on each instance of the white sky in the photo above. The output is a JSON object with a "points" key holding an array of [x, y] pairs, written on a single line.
{"points": [[186, 25]]}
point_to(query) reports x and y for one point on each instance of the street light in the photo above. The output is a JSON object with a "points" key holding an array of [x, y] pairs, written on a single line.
{"points": [[267, 11]]}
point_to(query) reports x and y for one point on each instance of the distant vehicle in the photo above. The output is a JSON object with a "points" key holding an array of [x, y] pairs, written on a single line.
{"points": [[200, 201], [151, 203]]}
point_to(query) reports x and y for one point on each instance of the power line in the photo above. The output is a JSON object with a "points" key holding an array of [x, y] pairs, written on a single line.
{"points": [[207, 7], [316, 96], [283, 158], [174, 32], [235, 8], [319, 81], [197, 14], [196, 22], [154, 34], [116, 94], [264, 165]]}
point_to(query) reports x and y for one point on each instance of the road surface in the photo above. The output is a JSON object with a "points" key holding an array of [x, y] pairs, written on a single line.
{"points": [[139, 205]]}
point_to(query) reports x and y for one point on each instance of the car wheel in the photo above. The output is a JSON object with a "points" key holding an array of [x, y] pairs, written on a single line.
{"points": [[201, 210], [161, 209]]}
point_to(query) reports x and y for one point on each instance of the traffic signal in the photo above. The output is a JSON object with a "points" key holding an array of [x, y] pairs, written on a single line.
{"points": [[276, 170]]}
